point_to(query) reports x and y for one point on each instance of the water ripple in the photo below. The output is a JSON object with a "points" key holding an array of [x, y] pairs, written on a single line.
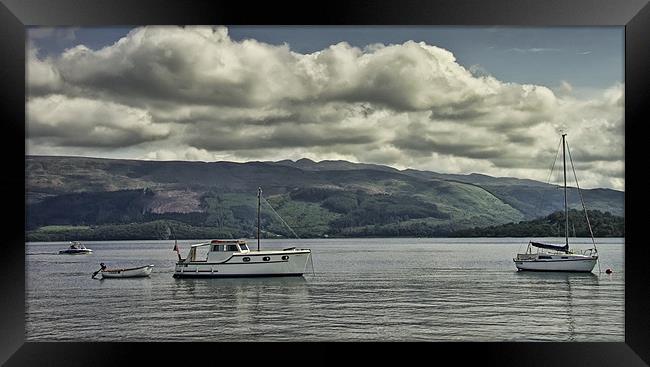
{"points": [[362, 290]]}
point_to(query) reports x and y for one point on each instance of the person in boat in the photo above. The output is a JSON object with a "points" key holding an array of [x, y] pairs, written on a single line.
{"points": [[102, 267], [73, 246]]}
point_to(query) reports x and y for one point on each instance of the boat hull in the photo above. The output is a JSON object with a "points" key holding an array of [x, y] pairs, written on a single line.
{"points": [[253, 264], [247, 275], [75, 252], [585, 265], [140, 272]]}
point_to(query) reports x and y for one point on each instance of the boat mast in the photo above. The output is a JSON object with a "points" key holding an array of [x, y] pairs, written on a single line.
{"points": [[259, 198], [566, 211]]}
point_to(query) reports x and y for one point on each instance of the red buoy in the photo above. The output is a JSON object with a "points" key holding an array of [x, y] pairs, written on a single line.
{"points": [[608, 271]]}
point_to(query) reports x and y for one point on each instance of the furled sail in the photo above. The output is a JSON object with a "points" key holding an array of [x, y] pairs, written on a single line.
{"points": [[550, 247]]}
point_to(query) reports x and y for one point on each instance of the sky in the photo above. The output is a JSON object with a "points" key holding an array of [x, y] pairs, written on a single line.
{"points": [[488, 100]]}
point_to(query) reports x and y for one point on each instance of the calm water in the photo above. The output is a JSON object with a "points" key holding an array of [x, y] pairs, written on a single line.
{"points": [[360, 290]]}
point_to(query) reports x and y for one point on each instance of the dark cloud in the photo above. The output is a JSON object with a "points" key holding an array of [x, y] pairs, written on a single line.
{"points": [[281, 137], [192, 92], [62, 121]]}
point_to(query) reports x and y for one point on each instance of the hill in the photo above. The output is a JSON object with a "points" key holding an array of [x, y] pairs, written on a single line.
{"points": [[328, 198], [602, 224]]}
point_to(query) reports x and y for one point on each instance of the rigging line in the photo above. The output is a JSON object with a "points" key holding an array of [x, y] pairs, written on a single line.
{"points": [[292, 231], [582, 201], [276, 213], [548, 181], [557, 153], [555, 160]]}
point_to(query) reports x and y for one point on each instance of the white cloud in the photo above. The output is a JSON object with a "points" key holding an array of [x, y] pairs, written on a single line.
{"points": [[42, 76], [184, 153], [79, 122], [407, 105]]}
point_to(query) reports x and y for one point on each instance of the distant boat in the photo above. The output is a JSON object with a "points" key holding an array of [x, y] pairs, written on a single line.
{"points": [[139, 272], [76, 248], [233, 258], [549, 257]]}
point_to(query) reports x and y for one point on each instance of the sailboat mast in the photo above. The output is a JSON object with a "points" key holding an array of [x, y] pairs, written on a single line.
{"points": [[566, 211], [259, 198]]}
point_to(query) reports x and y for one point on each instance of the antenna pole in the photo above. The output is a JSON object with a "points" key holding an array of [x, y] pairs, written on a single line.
{"points": [[566, 211], [259, 198]]}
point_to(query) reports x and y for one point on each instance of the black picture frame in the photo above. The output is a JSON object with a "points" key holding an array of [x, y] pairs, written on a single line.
{"points": [[15, 15]]}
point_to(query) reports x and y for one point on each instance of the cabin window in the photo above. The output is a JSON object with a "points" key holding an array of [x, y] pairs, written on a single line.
{"points": [[285, 257], [564, 257], [231, 248], [545, 257], [266, 258], [217, 248], [243, 247], [246, 259]]}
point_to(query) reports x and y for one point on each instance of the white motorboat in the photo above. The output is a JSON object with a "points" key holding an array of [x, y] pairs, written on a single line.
{"points": [[76, 248], [233, 258], [549, 257], [139, 272]]}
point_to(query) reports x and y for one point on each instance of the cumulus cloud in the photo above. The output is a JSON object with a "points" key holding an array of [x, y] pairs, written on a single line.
{"points": [[184, 153], [81, 122], [565, 87], [42, 75], [409, 105]]}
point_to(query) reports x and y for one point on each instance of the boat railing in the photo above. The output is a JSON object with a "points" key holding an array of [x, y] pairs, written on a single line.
{"points": [[526, 256], [589, 252]]}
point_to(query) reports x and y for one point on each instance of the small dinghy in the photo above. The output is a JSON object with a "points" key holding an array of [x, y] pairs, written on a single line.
{"points": [[76, 248], [139, 272]]}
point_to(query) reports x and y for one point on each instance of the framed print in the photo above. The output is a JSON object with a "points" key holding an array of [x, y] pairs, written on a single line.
{"points": [[295, 178]]}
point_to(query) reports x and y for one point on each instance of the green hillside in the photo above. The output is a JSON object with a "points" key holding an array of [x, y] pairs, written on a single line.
{"points": [[91, 198], [603, 224]]}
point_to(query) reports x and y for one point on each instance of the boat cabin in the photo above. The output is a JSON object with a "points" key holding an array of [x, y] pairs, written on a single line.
{"points": [[216, 250], [77, 246], [551, 252]]}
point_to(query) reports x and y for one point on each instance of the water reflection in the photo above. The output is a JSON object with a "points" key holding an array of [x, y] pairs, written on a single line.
{"points": [[555, 277], [257, 307], [561, 283], [190, 285], [364, 290], [240, 292]]}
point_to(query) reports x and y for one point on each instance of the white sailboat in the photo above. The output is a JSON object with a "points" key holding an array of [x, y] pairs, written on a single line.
{"points": [[549, 257], [233, 258]]}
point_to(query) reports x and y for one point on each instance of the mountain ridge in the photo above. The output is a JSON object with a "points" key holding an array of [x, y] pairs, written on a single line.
{"points": [[323, 198]]}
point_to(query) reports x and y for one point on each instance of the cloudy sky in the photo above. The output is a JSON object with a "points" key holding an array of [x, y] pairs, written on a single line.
{"points": [[489, 100]]}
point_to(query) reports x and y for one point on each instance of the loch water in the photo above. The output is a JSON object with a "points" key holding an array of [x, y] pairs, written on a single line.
{"points": [[373, 289]]}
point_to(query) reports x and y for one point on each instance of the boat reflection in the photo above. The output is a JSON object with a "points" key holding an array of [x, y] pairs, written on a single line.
{"points": [[242, 293], [257, 307], [570, 284], [217, 284], [555, 276]]}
